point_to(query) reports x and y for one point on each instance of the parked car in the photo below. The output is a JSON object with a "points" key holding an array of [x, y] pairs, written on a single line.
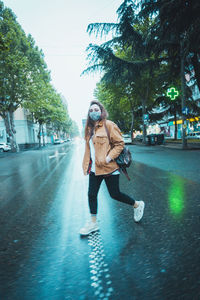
{"points": [[57, 141], [138, 138], [4, 147], [194, 135], [127, 138]]}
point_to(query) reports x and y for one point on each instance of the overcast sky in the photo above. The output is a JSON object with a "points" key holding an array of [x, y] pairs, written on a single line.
{"points": [[59, 29]]}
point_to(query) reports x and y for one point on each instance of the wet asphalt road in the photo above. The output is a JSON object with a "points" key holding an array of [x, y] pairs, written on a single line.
{"points": [[43, 204]]}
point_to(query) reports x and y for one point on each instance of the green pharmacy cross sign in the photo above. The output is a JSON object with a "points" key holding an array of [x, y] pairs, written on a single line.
{"points": [[172, 93]]}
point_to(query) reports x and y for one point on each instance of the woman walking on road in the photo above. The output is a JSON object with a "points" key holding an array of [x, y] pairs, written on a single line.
{"points": [[99, 163]]}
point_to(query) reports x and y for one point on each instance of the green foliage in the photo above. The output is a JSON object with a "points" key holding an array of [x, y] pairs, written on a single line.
{"points": [[152, 44], [24, 78], [114, 98], [128, 64], [176, 23], [46, 105]]}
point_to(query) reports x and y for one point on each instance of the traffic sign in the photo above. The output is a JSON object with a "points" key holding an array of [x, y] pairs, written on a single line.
{"points": [[146, 117], [185, 110]]}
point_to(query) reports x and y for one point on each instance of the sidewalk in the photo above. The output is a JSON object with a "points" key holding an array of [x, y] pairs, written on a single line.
{"points": [[173, 145], [190, 146], [43, 148]]}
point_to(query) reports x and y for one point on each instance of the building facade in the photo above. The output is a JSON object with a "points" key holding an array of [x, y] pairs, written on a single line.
{"points": [[26, 130]]}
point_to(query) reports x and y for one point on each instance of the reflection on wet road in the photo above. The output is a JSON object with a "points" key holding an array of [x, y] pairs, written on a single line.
{"points": [[43, 204], [176, 196]]}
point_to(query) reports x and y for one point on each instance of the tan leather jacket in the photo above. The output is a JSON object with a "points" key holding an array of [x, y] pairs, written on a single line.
{"points": [[103, 148]]}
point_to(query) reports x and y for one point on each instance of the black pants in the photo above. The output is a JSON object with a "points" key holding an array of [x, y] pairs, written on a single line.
{"points": [[112, 183]]}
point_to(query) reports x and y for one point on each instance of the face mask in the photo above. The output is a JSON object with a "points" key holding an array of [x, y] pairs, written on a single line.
{"points": [[95, 115]]}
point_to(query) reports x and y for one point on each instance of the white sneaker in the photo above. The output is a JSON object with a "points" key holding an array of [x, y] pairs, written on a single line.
{"points": [[89, 227], [138, 212]]}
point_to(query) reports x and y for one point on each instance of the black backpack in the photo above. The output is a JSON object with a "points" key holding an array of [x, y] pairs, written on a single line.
{"points": [[124, 159]]}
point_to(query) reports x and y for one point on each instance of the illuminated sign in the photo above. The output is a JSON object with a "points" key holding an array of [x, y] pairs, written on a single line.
{"points": [[195, 119], [172, 93]]}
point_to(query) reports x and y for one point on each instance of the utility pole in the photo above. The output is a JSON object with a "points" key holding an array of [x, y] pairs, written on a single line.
{"points": [[183, 90]]}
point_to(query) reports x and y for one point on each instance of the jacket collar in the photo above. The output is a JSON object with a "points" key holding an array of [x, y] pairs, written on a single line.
{"points": [[99, 123]]}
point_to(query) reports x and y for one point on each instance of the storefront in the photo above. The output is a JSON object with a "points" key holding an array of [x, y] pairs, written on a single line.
{"points": [[193, 124]]}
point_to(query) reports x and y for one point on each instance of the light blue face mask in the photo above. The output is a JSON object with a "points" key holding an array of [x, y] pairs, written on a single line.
{"points": [[95, 115]]}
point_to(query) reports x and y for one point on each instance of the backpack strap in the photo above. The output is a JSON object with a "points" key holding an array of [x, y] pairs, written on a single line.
{"points": [[125, 173], [107, 131]]}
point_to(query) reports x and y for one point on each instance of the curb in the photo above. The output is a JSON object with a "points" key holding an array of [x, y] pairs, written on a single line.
{"points": [[179, 146], [176, 146]]}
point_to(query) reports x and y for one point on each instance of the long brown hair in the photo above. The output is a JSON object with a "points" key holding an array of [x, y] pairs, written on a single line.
{"points": [[89, 127]]}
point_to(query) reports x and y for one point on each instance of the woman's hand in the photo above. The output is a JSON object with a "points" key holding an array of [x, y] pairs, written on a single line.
{"points": [[108, 159]]}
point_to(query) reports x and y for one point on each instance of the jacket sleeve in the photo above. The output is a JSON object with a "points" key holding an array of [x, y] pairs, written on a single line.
{"points": [[116, 141], [86, 158]]}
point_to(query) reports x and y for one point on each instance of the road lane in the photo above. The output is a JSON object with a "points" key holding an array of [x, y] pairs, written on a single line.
{"points": [[185, 163], [43, 257]]}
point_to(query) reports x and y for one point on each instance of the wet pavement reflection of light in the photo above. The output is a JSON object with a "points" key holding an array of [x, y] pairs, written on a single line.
{"points": [[43, 257], [176, 196], [56, 269]]}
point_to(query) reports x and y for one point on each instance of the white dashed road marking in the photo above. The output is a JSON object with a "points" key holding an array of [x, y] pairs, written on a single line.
{"points": [[52, 156], [100, 277]]}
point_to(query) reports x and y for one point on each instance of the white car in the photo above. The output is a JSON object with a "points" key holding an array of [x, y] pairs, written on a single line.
{"points": [[58, 141], [194, 135], [127, 138], [4, 147]]}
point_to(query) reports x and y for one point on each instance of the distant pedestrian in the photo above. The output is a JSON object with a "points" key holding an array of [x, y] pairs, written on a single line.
{"points": [[99, 163]]}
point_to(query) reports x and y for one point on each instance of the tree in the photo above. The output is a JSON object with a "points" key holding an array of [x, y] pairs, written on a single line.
{"points": [[24, 78], [126, 58], [46, 106], [175, 32], [12, 77], [114, 99], [20, 65]]}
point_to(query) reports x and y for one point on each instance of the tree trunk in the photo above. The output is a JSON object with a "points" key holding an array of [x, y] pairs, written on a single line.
{"points": [[43, 139], [144, 108], [39, 135], [132, 123], [183, 98], [12, 122], [132, 117], [143, 121], [10, 130], [175, 124]]}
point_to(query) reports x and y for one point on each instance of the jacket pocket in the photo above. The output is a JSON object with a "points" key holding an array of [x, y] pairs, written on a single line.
{"points": [[101, 139]]}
